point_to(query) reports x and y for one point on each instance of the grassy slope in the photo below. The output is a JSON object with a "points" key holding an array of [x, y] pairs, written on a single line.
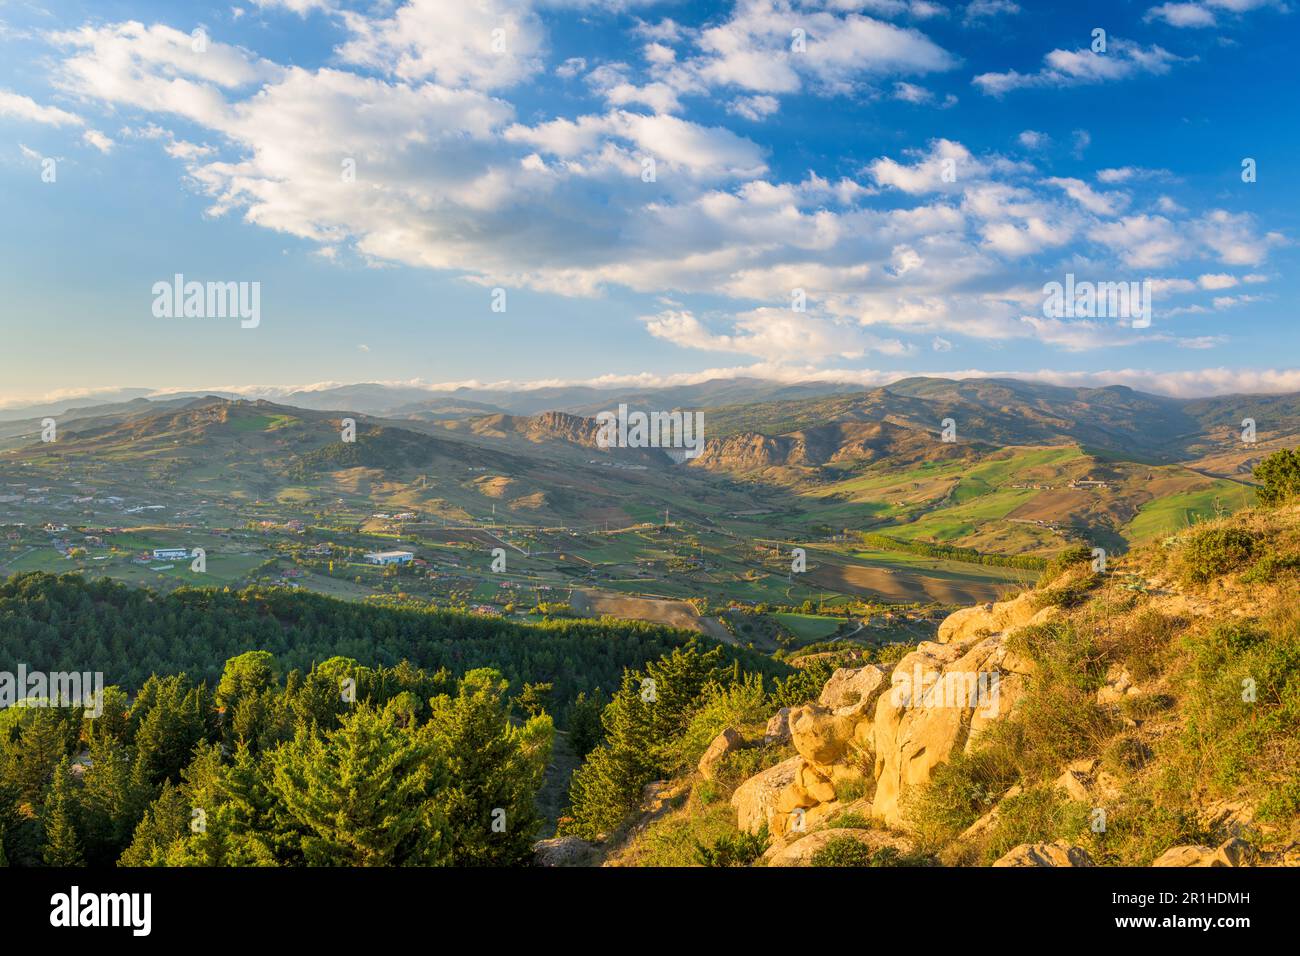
{"points": [[1185, 758]]}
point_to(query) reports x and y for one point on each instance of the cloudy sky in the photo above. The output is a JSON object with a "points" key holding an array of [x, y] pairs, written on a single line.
{"points": [[654, 184]]}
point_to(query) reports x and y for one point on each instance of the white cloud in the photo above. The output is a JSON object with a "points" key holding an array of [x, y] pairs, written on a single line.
{"points": [[485, 45], [449, 178], [1144, 241], [1101, 204], [1201, 15], [754, 107], [611, 82], [22, 107], [753, 50], [1032, 139], [1124, 174], [911, 93], [1217, 281], [1182, 15], [981, 10], [774, 335], [1123, 59], [571, 67], [95, 138], [300, 7]]}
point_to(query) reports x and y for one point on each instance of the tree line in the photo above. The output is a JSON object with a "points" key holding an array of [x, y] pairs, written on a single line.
{"points": [[68, 623]]}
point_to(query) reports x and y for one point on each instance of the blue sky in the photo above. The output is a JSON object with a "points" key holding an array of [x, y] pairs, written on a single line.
{"points": [[919, 169]]}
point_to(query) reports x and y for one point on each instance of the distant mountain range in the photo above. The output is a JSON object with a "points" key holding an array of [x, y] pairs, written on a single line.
{"points": [[404, 401], [1029, 467], [755, 423]]}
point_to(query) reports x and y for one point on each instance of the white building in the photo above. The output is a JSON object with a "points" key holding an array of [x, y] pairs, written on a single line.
{"points": [[170, 554], [390, 557]]}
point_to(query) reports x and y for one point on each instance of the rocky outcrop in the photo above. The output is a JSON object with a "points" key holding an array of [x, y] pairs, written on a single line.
{"points": [[943, 697], [1119, 684], [729, 741], [1059, 853], [1234, 852], [986, 619], [1084, 781], [564, 851], [883, 731], [778, 728], [832, 753], [855, 688], [755, 800]]}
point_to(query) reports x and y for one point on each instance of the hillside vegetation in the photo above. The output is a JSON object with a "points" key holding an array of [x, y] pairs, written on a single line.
{"points": [[67, 623], [1149, 714]]}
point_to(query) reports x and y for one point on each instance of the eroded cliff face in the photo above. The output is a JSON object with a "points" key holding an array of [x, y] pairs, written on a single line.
{"points": [[880, 732]]}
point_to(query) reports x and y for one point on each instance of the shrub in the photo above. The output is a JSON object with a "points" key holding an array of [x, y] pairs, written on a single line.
{"points": [[1144, 642], [843, 851], [1145, 829], [735, 849], [1069, 558], [1242, 710], [675, 838], [846, 851], [1058, 719], [1037, 815], [1279, 477], [1215, 550], [722, 706], [1126, 754], [851, 821], [1268, 567], [959, 792], [850, 790], [1143, 706], [1069, 590]]}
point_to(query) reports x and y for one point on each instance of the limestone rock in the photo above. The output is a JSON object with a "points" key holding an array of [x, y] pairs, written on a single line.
{"points": [[1234, 852], [564, 851], [778, 728], [755, 800], [820, 735], [1084, 781], [890, 729], [987, 619], [855, 689], [1060, 853], [729, 741], [942, 697], [1229, 818], [986, 822]]}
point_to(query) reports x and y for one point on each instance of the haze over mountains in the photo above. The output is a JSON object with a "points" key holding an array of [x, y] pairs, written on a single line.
{"points": [[993, 411], [404, 400]]}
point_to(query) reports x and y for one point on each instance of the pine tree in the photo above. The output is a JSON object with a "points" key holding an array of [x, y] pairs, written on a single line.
{"points": [[109, 808], [641, 723], [165, 822], [585, 730], [363, 795], [62, 846], [495, 770]]}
